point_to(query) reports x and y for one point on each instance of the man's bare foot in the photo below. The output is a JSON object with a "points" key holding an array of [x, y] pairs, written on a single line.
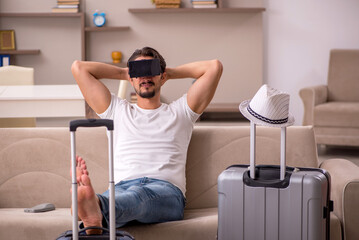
{"points": [[81, 168], [88, 203]]}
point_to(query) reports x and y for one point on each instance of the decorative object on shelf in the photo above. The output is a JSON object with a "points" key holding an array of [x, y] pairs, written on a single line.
{"points": [[67, 6], [99, 19], [116, 56], [4, 60], [204, 3], [167, 3], [7, 40]]}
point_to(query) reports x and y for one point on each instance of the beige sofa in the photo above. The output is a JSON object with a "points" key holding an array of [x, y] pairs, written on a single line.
{"points": [[333, 109], [35, 165]]}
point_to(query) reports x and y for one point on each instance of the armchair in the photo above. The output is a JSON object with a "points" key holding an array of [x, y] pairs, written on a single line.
{"points": [[333, 109]]}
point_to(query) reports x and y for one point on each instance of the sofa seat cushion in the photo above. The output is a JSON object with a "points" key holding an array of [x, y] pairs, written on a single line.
{"points": [[15, 224], [337, 114], [197, 224]]}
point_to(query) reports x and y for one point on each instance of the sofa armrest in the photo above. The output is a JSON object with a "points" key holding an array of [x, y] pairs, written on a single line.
{"points": [[345, 194], [312, 96]]}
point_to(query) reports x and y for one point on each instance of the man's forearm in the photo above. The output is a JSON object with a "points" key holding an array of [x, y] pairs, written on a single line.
{"points": [[102, 70], [87, 75], [189, 70]]}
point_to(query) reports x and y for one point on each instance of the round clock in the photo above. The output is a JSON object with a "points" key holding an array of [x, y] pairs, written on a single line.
{"points": [[99, 19]]}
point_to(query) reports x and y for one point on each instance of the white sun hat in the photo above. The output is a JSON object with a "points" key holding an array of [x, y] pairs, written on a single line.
{"points": [[268, 107]]}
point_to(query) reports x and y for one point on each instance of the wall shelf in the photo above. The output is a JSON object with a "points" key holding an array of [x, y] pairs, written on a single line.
{"points": [[196, 10], [21, 52], [42, 14], [106, 29]]}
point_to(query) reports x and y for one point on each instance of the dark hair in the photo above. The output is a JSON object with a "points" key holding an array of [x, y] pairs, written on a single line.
{"points": [[148, 52]]}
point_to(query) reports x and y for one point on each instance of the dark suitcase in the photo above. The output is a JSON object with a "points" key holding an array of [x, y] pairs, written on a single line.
{"points": [[120, 235], [110, 233], [272, 202]]}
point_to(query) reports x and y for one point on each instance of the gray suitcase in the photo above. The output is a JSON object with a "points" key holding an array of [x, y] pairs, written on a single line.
{"points": [[271, 202]]}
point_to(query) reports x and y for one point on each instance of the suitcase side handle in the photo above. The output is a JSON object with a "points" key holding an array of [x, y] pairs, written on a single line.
{"points": [[91, 123]]}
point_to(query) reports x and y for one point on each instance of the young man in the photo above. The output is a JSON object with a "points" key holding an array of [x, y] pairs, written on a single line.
{"points": [[150, 138]]}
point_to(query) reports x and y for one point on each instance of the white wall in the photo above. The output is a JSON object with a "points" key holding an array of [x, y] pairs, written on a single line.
{"points": [[298, 37]]}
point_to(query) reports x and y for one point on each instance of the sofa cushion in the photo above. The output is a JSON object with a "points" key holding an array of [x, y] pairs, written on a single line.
{"points": [[36, 165], [15, 224], [197, 224], [213, 149], [337, 114]]}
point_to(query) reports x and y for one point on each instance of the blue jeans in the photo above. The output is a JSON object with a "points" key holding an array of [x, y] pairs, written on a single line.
{"points": [[145, 200]]}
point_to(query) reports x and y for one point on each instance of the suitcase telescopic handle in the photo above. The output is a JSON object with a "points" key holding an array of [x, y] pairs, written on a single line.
{"points": [[91, 123], [252, 153]]}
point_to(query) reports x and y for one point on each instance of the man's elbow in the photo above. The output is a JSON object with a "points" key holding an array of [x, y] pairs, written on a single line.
{"points": [[217, 65], [75, 67]]}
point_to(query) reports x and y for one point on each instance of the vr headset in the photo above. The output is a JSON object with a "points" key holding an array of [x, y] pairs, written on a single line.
{"points": [[144, 68]]}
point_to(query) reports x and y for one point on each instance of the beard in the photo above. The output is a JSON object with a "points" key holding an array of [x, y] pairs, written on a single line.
{"points": [[146, 94]]}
